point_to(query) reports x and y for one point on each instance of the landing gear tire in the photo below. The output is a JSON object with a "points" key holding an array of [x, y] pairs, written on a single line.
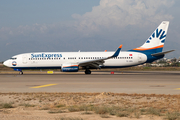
{"points": [[87, 72], [21, 73]]}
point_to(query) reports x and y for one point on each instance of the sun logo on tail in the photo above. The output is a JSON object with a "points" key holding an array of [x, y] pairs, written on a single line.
{"points": [[157, 34]]}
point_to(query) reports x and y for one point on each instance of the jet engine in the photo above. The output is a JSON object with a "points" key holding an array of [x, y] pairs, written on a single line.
{"points": [[69, 67]]}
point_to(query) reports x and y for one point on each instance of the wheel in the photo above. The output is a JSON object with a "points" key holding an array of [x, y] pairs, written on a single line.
{"points": [[21, 73], [87, 71]]}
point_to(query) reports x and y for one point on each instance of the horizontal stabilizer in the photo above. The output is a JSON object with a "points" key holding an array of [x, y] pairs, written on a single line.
{"points": [[162, 53]]}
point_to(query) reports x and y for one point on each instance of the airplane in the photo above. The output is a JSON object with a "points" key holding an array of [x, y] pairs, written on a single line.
{"points": [[150, 51]]}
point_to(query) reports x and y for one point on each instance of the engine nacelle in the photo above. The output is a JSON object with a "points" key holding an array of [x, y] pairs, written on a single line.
{"points": [[69, 67]]}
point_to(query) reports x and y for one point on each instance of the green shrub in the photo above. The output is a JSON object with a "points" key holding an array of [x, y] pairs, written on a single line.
{"points": [[173, 116], [154, 111], [27, 105], [55, 111], [104, 116], [6, 105], [60, 105], [73, 109], [101, 110], [122, 114], [68, 118]]}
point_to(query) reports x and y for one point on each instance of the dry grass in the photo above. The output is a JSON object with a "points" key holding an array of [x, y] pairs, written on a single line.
{"points": [[26, 105], [68, 118], [137, 115], [105, 116], [55, 111], [104, 104]]}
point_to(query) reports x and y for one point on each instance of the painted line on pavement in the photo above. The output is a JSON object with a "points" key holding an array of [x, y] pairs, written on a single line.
{"points": [[44, 86]]}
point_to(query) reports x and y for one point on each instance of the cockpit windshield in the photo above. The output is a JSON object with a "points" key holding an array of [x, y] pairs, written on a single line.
{"points": [[13, 58]]}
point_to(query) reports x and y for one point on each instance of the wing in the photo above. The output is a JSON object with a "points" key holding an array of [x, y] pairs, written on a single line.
{"points": [[97, 62]]}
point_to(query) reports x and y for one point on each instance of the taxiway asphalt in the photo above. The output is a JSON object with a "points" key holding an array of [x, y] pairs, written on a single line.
{"points": [[156, 82]]}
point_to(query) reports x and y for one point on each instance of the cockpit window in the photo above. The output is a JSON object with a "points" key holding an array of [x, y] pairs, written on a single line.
{"points": [[13, 58]]}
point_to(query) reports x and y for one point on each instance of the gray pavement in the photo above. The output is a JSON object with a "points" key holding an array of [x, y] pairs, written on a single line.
{"points": [[155, 82]]}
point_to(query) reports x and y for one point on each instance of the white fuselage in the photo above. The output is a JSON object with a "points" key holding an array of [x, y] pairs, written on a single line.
{"points": [[57, 59]]}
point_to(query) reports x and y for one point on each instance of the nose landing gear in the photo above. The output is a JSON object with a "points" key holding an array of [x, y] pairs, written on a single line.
{"points": [[20, 72]]}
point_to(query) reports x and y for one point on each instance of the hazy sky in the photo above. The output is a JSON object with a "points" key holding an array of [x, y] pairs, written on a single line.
{"points": [[86, 25]]}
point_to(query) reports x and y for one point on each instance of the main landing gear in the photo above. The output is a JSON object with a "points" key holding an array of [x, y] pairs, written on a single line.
{"points": [[87, 71]]}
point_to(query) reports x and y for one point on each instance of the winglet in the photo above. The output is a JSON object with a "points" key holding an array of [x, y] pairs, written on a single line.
{"points": [[117, 51]]}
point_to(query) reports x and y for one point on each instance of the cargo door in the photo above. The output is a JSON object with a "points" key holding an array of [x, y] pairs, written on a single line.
{"points": [[139, 58]]}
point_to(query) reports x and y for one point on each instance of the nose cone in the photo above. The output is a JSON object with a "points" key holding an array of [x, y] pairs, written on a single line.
{"points": [[6, 63]]}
